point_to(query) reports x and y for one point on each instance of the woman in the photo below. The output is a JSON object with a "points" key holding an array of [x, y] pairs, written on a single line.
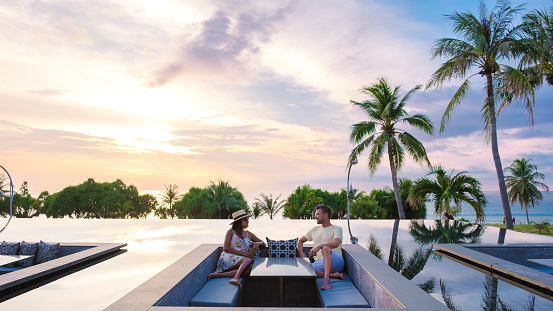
{"points": [[239, 250]]}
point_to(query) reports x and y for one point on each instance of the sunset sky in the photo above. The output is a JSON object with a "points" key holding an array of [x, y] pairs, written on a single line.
{"points": [[253, 92]]}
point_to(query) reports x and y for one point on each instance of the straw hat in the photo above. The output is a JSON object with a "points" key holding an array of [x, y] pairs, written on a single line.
{"points": [[239, 215]]}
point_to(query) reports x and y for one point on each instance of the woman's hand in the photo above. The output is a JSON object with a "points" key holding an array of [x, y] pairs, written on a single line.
{"points": [[251, 253], [253, 250]]}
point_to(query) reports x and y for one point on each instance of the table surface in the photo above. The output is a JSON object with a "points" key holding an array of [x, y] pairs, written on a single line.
{"points": [[6, 259], [282, 267]]}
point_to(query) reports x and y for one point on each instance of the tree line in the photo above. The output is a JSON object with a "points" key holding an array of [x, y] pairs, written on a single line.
{"points": [[445, 191], [87, 200]]}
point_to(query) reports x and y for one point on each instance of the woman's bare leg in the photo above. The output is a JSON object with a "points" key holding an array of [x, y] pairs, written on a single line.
{"points": [[227, 274], [246, 262]]}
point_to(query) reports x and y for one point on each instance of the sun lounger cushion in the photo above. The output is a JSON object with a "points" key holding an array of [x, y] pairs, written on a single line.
{"points": [[343, 294], [9, 249], [217, 293], [28, 249], [47, 252]]}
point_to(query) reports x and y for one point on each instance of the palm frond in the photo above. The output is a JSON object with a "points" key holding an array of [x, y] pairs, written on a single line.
{"points": [[454, 102], [414, 147], [514, 86], [422, 122], [360, 130]]}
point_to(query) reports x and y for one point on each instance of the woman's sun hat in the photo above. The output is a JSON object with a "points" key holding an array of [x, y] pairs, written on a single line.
{"points": [[239, 215]]}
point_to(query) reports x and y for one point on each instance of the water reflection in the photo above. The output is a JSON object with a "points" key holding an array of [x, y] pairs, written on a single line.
{"points": [[410, 264], [408, 267], [155, 244], [490, 298], [446, 232]]}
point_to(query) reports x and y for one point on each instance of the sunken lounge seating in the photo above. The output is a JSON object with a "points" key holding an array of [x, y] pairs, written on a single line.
{"points": [[70, 257], [219, 293], [343, 294], [40, 252], [175, 286]]}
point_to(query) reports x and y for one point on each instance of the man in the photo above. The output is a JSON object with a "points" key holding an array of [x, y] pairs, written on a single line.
{"points": [[327, 246]]}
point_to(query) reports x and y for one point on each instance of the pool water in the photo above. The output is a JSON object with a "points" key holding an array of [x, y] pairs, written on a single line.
{"points": [[544, 269], [154, 244]]}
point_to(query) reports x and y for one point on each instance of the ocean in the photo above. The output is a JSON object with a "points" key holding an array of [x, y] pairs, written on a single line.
{"points": [[494, 210]]}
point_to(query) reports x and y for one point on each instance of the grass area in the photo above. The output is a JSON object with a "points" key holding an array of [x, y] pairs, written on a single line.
{"points": [[528, 228]]}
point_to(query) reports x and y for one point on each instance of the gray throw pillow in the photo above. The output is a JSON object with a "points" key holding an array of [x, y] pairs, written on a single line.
{"points": [[47, 252], [28, 249], [282, 248], [9, 249]]}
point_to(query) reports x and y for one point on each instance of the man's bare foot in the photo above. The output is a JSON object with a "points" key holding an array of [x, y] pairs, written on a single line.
{"points": [[235, 282], [337, 275], [326, 286]]}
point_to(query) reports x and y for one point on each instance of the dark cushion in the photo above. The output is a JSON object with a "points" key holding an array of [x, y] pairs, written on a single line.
{"points": [[47, 252], [9, 249], [343, 294], [282, 248], [217, 292], [29, 249]]}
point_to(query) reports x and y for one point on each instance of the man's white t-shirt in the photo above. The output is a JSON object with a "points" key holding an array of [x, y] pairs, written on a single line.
{"points": [[320, 235]]}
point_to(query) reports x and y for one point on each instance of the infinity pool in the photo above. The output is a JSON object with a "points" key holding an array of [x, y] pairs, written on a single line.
{"points": [[155, 244]]}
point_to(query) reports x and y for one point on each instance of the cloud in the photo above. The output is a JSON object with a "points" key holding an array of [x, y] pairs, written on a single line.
{"points": [[227, 41], [252, 92], [48, 92]]}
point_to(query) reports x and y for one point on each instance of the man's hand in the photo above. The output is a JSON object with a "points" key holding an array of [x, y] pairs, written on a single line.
{"points": [[313, 252]]}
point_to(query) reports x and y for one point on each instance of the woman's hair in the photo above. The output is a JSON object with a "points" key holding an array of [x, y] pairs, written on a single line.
{"points": [[237, 228]]}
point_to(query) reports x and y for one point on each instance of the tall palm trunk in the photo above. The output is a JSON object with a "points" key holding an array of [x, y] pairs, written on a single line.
{"points": [[526, 208], [400, 210], [495, 153], [393, 246]]}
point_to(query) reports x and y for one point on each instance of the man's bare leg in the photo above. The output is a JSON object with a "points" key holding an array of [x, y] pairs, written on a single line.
{"points": [[335, 275], [327, 264]]}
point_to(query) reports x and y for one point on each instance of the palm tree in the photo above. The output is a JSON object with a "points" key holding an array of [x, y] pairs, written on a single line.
{"points": [[415, 208], [522, 184], [449, 191], [257, 211], [224, 197], [385, 110], [269, 206], [484, 42], [169, 196], [538, 27], [541, 225]]}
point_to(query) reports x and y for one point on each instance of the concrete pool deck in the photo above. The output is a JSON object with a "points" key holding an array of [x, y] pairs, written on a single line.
{"points": [[505, 262], [172, 288]]}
